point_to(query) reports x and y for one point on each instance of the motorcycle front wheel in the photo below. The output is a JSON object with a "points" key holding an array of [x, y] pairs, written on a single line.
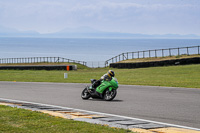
{"points": [[109, 95], [85, 94]]}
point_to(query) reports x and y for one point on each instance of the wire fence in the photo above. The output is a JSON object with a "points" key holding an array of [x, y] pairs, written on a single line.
{"points": [[39, 60], [154, 53], [96, 64]]}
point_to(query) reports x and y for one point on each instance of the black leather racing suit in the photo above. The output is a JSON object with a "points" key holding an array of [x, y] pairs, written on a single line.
{"points": [[98, 82]]}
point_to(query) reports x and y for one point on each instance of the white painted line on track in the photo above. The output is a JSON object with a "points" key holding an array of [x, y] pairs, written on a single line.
{"points": [[106, 114]]}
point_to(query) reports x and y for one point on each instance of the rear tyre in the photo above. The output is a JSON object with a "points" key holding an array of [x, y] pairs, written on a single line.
{"points": [[85, 94], [109, 95]]}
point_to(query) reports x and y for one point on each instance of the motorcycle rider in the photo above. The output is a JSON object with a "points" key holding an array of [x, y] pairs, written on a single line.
{"points": [[106, 77]]}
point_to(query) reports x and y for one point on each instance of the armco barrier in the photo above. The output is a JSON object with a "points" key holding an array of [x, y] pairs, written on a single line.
{"points": [[185, 61], [40, 67], [155, 53]]}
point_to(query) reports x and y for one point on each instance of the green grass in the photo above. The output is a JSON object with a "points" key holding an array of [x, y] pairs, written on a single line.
{"points": [[80, 66], [23, 121], [158, 58], [172, 76]]}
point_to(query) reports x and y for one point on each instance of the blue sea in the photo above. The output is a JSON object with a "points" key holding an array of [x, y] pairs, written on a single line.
{"points": [[93, 51]]}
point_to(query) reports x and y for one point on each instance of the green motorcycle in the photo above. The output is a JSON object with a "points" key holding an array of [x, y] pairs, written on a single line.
{"points": [[107, 90]]}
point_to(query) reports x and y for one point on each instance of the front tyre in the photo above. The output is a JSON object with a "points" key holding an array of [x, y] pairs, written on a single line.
{"points": [[109, 95], [85, 94]]}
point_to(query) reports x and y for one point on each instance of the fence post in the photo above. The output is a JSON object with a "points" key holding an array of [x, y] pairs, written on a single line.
{"points": [[143, 54], [127, 56], [106, 63], [155, 53], [170, 52], [138, 54], [132, 55], [178, 51], [162, 53], [198, 50], [149, 53], [123, 55], [187, 51]]}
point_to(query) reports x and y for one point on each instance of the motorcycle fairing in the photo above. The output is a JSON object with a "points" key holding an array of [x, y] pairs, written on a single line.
{"points": [[103, 86], [113, 84]]}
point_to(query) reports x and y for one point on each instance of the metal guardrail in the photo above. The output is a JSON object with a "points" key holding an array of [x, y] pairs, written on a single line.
{"points": [[39, 60], [154, 53], [124, 56]]}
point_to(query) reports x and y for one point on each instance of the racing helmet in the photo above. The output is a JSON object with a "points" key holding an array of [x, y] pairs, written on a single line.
{"points": [[111, 73]]}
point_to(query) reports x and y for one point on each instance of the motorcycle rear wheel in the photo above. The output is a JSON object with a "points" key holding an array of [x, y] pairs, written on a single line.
{"points": [[85, 94], [109, 95]]}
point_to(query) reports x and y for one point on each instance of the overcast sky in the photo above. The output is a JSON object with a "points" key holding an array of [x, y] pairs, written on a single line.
{"points": [[131, 16]]}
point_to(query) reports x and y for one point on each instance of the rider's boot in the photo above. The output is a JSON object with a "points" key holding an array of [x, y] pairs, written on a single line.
{"points": [[91, 89]]}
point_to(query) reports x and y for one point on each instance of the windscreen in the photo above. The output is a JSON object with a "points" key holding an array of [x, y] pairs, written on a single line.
{"points": [[116, 80]]}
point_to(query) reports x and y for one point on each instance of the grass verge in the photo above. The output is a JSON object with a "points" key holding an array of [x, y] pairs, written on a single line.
{"points": [[80, 66], [21, 120], [158, 58], [171, 76]]}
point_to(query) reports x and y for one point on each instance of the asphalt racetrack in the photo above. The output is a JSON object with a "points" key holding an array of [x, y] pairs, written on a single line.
{"points": [[180, 106]]}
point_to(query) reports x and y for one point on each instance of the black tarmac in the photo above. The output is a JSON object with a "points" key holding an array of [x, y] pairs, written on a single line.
{"points": [[180, 106]]}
